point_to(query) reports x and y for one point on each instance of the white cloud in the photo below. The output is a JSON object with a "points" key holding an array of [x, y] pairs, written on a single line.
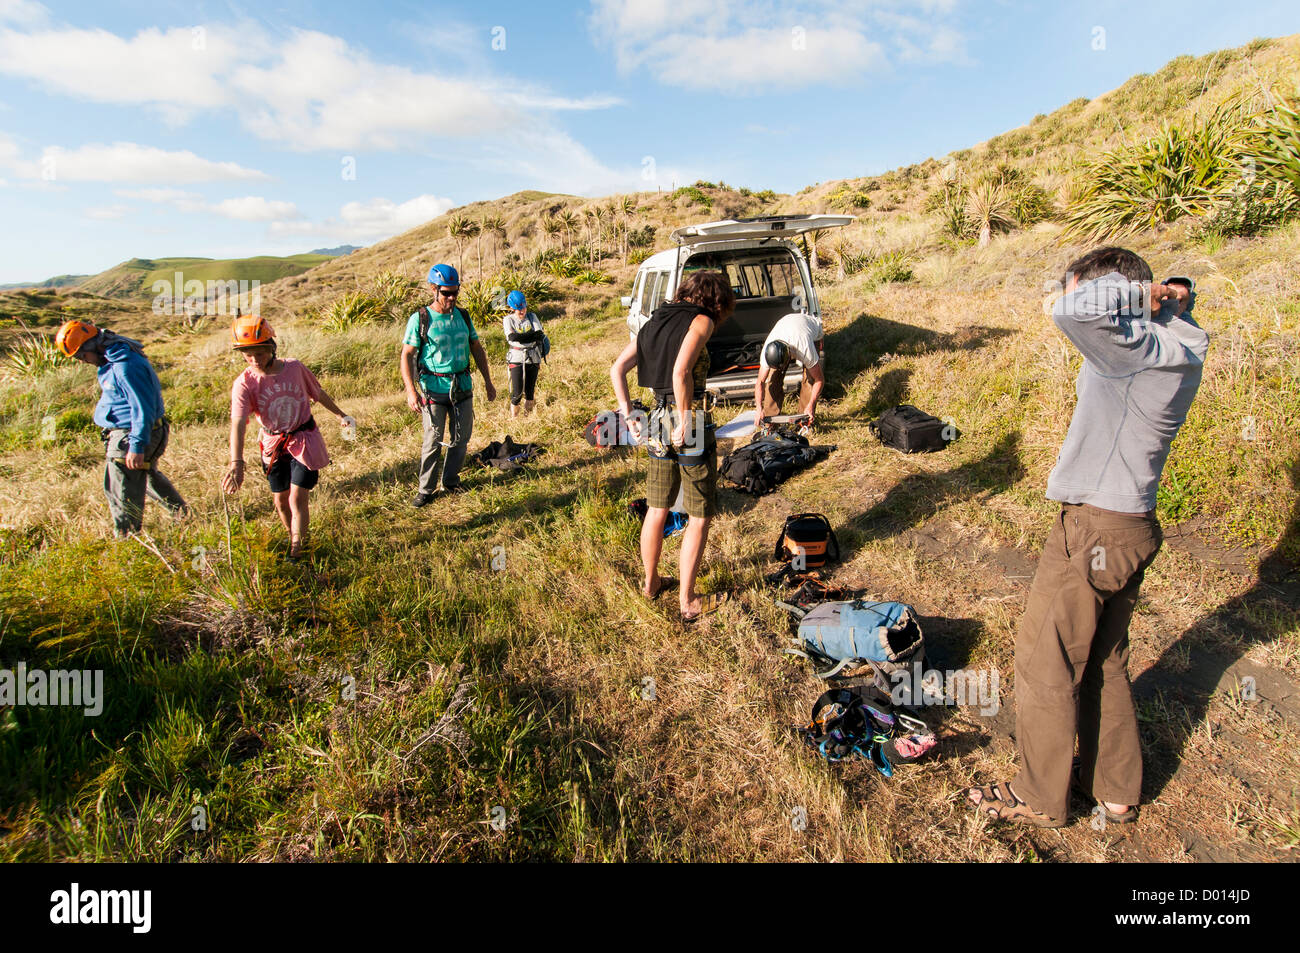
{"points": [[311, 91], [751, 46], [177, 70], [124, 162], [376, 219], [156, 195], [248, 208], [107, 212], [556, 162], [254, 208], [22, 11]]}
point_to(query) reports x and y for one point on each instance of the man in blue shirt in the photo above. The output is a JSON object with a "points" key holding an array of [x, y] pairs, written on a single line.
{"points": [[130, 412]]}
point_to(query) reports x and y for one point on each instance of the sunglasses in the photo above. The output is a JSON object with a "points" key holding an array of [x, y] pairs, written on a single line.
{"points": [[449, 293]]}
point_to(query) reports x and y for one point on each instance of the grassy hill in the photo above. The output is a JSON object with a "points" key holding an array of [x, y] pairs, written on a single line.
{"points": [[135, 278], [526, 689], [58, 281]]}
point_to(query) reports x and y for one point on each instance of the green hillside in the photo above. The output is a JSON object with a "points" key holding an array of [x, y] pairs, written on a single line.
{"points": [[135, 278]]}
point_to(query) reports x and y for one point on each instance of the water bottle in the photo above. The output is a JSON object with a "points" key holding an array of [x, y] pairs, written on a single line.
{"points": [[675, 523]]}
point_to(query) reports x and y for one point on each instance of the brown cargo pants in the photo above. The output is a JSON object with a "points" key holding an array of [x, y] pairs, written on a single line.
{"points": [[1072, 659], [774, 393]]}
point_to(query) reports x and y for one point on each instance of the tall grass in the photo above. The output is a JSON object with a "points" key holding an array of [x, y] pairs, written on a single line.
{"points": [[1239, 166], [31, 356], [386, 297]]}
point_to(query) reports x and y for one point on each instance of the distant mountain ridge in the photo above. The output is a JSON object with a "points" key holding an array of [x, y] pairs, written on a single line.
{"points": [[58, 281], [135, 275]]}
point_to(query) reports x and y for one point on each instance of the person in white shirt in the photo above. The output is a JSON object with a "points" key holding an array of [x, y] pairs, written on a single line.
{"points": [[524, 335], [793, 338]]}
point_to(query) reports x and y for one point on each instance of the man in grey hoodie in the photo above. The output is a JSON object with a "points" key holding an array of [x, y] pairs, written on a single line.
{"points": [[1143, 358]]}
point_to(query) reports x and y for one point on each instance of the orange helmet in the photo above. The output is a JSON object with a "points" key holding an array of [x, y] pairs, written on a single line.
{"points": [[251, 331], [72, 335]]}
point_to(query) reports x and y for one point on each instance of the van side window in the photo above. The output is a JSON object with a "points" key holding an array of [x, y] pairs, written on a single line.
{"points": [[647, 292], [636, 291], [656, 291]]}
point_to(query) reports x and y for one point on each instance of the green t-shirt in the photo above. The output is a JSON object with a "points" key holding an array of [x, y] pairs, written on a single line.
{"points": [[446, 349]]}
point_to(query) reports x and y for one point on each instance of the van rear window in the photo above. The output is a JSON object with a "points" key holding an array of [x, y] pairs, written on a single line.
{"points": [[752, 274]]}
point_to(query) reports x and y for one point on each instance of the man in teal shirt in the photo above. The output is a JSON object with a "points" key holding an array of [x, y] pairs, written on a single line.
{"points": [[439, 384]]}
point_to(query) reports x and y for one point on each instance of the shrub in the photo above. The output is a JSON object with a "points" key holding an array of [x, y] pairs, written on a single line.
{"points": [[476, 298], [891, 267], [693, 193], [1253, 210], [387, 297], [536, 288], [767, 195], [31, 356], [589, 276], [1179, 171], [643, 237], [566, 266], [1275, 144], [75, 421]]}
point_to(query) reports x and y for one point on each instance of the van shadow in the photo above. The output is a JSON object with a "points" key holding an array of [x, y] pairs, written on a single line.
{"points": [[918, 497], [860, 344], [1262, 613], [890, 390]]}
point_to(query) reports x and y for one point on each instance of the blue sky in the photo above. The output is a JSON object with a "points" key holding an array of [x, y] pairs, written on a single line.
{"points": [[143, 129]]}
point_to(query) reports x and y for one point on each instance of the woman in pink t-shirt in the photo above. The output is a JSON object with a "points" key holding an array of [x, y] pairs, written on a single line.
{"points": [[280, 393]]}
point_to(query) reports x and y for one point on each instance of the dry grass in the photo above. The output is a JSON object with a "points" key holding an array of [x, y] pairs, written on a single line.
{"points": [[538, 675]]}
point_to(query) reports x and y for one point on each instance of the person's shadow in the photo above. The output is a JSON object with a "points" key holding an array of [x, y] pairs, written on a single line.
{"points": [[918, 497], [1193, 676]]}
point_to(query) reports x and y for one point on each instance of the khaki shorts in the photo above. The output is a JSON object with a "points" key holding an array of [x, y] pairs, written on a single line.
{"points": [[695, 474]]}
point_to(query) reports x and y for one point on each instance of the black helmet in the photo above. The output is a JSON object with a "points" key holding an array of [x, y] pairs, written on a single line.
{"points": [[776, 354]]}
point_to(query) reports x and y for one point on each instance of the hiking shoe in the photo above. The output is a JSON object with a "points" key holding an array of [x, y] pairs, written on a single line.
{"points": [[422, 499]]}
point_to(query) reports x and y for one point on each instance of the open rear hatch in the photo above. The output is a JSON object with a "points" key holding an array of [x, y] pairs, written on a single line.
{"points": [[764, 226]]}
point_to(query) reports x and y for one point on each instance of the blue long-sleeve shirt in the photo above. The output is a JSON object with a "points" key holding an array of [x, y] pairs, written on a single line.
{"points": [[1137, 383], [132, 396]]}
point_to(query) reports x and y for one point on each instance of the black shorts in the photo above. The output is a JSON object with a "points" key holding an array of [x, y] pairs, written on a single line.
{"points": [[288, 470]]}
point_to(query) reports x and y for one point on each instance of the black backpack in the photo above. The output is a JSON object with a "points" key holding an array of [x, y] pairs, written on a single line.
{"points": [[766, 462], [911, 430]]}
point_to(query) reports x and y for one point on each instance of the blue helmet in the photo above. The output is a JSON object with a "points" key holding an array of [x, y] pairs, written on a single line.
{"points": [[444, 275], [516, 301]]}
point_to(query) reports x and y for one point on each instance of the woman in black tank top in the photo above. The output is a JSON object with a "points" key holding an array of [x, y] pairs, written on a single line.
{"points": [[671, 356]]}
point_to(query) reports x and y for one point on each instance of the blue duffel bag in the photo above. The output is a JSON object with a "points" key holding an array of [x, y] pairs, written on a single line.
{"points": [[844, 634]]}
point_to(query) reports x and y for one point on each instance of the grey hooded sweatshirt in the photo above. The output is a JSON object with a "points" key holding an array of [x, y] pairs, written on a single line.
{"points": [[1138, 380]]}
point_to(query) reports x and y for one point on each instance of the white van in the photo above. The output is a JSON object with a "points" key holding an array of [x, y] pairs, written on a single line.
{"points": [[768, 273]]}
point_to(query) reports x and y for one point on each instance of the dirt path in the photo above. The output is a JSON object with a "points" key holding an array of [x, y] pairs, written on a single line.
{"points": [[1218, 728]]}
